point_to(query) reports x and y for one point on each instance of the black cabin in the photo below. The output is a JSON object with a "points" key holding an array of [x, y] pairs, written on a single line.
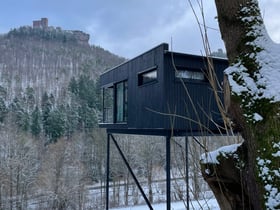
{"points": [[161, 91]]}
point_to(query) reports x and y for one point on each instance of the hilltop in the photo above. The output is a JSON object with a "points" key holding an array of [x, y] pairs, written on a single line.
{"points": [[46, 58], [48, 80]]}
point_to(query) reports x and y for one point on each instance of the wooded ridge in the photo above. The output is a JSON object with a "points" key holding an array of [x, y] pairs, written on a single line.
{"points": [[48, 73]]}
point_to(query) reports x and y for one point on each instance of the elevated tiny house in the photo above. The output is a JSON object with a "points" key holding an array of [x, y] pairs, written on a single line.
{"points": [[161, 91]]}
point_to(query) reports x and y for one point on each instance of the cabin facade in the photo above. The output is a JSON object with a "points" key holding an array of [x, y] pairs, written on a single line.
{"points": [[161, 91]]}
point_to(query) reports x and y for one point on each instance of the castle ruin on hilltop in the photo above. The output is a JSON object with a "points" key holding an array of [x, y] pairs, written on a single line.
{"points": [[79, 36], [43, 23]]}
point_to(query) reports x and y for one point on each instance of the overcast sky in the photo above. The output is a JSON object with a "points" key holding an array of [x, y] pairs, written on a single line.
{"points": [[130, 27]]}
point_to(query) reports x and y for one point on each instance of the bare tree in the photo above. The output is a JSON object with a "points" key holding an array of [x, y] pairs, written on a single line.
{"points": [[19, 168], [61, 176], [150, 157]]}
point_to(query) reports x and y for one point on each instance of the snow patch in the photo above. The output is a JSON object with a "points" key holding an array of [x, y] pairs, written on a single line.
{"points": [[195, 205], [262, 82], [277, 154], [276, 145], [212, 157], [273, 197], [257, 117], [272, 194], [267, 84]]}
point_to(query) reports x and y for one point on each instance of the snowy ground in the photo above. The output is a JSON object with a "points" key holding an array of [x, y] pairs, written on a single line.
{"points": [[194, 205]]}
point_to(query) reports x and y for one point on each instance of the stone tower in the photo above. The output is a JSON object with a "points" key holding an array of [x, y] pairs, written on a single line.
{"points": [[43, 23]]}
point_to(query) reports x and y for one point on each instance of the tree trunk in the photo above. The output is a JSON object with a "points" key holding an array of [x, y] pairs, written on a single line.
{"points": [[241, 26]]}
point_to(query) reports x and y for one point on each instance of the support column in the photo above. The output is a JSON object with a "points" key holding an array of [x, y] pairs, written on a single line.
{"points": [[107, 171], [168, 175], [187, 172]]}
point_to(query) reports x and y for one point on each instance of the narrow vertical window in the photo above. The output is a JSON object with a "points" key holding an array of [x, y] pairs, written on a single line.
{"points": [[125, 101], [121, 102], [108, 101]]}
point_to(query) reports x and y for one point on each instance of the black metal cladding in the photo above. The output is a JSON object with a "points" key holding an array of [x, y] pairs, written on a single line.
{"points": [[162, 85]]}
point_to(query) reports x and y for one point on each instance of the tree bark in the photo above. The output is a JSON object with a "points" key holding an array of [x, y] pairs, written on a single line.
{"points": [[225, 181], [231, 29], [233, 33], [258, 137]]}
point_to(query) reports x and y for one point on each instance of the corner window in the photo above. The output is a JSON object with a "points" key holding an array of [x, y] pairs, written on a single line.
{"points": [[115, 103], [190, 74], [147, 76]]}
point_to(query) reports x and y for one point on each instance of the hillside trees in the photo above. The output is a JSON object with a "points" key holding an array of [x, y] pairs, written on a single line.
{"points": [[18, 167], [47, 121], [61, 175], [84, 91], [249, 177], [37, 68], [35, 126], [3, 110], [80, 114], [55, 118]]}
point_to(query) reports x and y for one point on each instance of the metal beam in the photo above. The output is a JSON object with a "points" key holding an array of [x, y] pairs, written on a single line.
{"points": [[187, 172], [107, 172]]}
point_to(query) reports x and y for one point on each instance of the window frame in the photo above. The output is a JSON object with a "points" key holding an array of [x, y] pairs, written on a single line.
{"points": [[121, 115], [108, 110], [143, 78], [196, 75]]}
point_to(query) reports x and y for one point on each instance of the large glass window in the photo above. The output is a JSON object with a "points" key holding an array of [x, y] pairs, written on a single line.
{"points": [[115, 103], [121, 102]]}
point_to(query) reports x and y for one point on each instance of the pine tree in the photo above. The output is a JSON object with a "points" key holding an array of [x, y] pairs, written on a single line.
{"points": [[55, 125], [36, 122], [3, 110], [73, 86], [46, 107], [72, 119], [84, 94], [19, 115]]}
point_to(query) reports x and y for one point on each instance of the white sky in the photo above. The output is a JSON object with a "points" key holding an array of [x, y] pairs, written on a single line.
{"points": [[130, 27]]}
